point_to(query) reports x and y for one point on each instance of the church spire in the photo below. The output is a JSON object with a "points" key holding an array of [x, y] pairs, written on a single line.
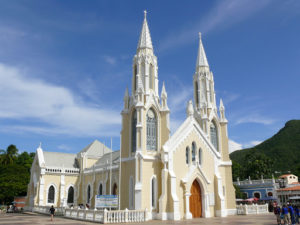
{"points": [[145, 38], [201, 58]]}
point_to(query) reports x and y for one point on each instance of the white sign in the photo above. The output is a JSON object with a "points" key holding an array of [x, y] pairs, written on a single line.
{"points": [[106, 201]]}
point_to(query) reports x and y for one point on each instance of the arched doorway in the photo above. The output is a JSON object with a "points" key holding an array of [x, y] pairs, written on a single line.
{"points": [[195, 200], [257, 195]]}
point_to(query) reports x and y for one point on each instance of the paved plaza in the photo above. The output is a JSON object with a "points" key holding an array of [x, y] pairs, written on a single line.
{"points": [[32, 218]]}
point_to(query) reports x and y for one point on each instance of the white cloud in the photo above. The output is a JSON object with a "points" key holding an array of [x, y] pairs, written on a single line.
{"points": [[64, 147], [224, 14], [251, 144], [254, 118], [230, 97], [110, 60], [54, 108], [178, 100], [233, 146]]}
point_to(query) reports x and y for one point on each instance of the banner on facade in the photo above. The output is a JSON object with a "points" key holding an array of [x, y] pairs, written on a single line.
{"points": [[106, 201]]}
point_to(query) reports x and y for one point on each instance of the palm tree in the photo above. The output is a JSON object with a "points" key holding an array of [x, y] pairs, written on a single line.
{"points": [[8, 156]]}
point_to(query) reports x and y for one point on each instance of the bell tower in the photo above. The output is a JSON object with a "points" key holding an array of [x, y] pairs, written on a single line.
{"points": [[145, 128], [204, 93]]}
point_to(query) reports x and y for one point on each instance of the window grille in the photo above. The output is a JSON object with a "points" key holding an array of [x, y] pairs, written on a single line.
{"points": [[151, 130], [51, 194]]}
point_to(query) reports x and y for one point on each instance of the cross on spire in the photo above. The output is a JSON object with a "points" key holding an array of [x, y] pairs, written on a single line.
{"points": [[201, 58], [145, 38]]}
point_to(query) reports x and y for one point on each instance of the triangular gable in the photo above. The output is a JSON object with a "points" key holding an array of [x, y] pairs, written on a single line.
{"points": [[188, 126], [95, 150]]}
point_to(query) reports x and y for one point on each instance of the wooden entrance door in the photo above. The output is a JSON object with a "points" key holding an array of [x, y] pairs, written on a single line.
{"points": [[195, 200]]}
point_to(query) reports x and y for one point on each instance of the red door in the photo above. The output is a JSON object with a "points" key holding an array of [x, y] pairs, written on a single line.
{"points": [[195, 200]]}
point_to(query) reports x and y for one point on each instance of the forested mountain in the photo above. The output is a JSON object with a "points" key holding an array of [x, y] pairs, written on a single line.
{"points": [[279, 153], [14, 173]]}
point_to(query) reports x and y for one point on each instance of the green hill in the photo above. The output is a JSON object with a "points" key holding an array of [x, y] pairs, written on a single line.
{"points": [[283, 149]]}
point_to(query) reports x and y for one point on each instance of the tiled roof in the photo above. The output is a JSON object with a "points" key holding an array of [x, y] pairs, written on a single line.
{"points": [[295, 188], [59, 159], [285, 175]]}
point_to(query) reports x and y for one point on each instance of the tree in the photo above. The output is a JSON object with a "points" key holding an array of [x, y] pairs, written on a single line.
{"points": [[10, 155], [257, 165], [238, 193], [237, 171], [13, 182], [25, 160], [14, 173]]}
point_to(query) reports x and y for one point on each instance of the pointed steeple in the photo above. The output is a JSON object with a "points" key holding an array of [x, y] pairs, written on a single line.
{"points": [[145, 38], [189, 108], [163, 91], [221, 105], [222, 112], [126, 95], [201, 58], [126, 101]]}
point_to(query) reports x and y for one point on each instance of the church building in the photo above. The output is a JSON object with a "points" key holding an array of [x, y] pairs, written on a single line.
{"points": [[179, 176]]}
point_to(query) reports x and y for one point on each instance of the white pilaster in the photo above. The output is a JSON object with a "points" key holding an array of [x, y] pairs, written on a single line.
{"points": [[41, 191], [188, 214]]}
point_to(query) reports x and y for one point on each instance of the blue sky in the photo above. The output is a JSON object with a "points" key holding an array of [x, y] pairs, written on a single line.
{"points": [[64, 66]]}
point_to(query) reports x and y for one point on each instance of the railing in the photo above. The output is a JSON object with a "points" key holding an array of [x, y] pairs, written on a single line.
{"points": [[249, 182], [252, 209], [62, 170], [84, 214], [59, 211], [105, 216]]}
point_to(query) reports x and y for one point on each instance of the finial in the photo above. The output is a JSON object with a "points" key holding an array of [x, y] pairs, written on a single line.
{"points": [[40, 146], [200, 35], [145, 14]]}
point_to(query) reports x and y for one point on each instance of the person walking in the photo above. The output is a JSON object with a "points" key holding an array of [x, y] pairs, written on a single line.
{"points": [[292, 214], [277, 214], [52, 210], [297, 212], [286, 215]]}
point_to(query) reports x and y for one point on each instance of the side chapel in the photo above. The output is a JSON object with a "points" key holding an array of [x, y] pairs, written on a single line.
{"points": [[183, 175]]}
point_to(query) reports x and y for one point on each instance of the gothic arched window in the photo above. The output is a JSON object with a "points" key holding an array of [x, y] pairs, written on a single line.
{"points": [[100, 191], [70, 195], [51, 194], [200, 156], [88, 194], [193, 151], [151, 77], [214, 135], [133, 131], [187, 155], [196, 94], [134, 77], [151, 130]]}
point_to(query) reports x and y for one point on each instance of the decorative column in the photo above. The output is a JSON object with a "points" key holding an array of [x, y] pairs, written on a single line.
{"points": [[62, 190], [188, 214], [41, 191]]}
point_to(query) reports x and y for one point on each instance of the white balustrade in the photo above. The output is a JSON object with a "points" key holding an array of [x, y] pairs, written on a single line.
{"points": [[252, 209], [105, 216]]}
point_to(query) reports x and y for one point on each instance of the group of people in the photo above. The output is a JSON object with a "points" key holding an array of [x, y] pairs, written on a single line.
{"points": [[288, 213]]}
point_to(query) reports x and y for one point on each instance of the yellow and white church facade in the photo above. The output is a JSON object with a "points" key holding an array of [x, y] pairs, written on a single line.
{"points": [[179, 176]]}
